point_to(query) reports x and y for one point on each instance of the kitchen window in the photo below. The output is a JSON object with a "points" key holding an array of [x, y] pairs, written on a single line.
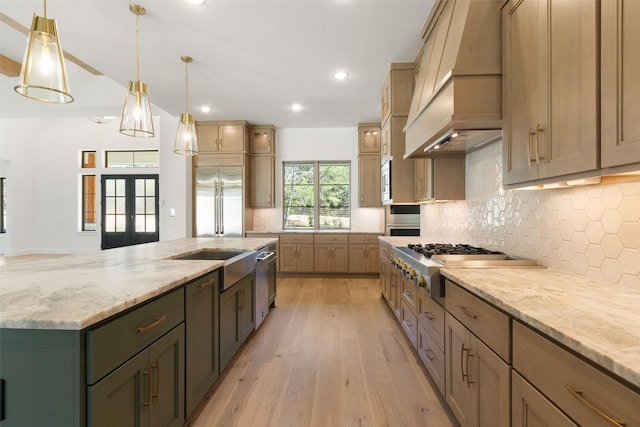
{"points": [[3, 205], [316, 195]]}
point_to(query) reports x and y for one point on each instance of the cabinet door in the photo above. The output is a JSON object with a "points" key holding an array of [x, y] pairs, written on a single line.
{"points": [[231, 138], [521, 39], [207, 137], [246, 307], [369, 139], [620, 109], [457, 387], [166, 362], [369, 181], [121, 398], [340, 258], [262, 140], [531, 409], [384, 278], [322, 255], [304, 260], [385, 142], [357, 261], [372, 257], [489, 378], [262, 181], [201, 314], [288, 257], [568, 134], [229, 333]]}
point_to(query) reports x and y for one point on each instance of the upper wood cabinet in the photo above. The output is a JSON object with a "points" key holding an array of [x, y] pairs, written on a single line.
{"points": [[397, 90], [440, 178], [369, 165], [262, 140], [231, 136], [620, 109], [550, 83], [262, 188], [369, 138]]}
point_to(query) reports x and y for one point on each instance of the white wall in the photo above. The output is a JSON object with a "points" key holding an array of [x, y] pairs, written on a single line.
{"points": [[327, 144], [43, 183]]}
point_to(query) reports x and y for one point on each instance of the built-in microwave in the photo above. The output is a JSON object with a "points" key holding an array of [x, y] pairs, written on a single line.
{"points": [[385, 181]]}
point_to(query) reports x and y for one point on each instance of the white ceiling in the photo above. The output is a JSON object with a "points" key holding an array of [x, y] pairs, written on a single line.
{"points": [[252, 58]]}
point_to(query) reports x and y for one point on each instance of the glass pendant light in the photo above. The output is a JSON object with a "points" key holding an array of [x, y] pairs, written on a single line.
{"points": [[137, 120], [186, 139], [43, 75]]}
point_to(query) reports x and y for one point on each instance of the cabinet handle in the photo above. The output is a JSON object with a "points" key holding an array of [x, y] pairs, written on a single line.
{"points": [[537, 147], [221, 142], [465, 376], [156, 366], [206, 284], [429, 315], [152, 324], [468, 312], [407, 292], [241, 306], [217, 143], [611, 421], [530, 134], [430, 354], [145, 373]]}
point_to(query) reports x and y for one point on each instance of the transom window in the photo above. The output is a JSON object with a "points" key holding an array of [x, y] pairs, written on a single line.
{"points": [[317, 195], [132, 159]]}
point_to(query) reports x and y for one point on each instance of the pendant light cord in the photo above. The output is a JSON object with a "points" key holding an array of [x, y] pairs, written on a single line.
{"points": [[186, 73], [137, 48]]}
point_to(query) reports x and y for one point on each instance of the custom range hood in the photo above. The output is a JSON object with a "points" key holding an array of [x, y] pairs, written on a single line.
{"points": [[457, 101]]}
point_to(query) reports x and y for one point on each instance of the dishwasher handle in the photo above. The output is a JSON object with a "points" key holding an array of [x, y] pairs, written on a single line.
{"points": [[265, 256]]}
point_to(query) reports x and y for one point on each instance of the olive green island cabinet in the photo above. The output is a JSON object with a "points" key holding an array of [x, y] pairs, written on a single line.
{"points": [[148, 366]]}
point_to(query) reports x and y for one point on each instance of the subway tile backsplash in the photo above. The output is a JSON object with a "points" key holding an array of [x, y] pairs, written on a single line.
{"points": [[591, 231]]}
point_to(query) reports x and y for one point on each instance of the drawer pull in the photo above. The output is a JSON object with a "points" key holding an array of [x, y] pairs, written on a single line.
{"points": [[206, 284], [578, 395], [152, 324], [428, 315], [468, 312], [430, 355]]}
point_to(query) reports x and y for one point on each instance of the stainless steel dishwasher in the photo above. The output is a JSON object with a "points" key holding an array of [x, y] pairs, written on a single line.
{"points": [[265, 282]]}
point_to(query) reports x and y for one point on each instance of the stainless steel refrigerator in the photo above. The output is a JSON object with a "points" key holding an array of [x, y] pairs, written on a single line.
{"points": [[219, 201]]}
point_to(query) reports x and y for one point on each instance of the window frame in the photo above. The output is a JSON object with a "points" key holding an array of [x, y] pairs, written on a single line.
{"points": [[316, 164]]}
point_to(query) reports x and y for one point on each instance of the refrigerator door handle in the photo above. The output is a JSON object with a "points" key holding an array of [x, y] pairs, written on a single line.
{"points": [[221, 212], [216, 208]]}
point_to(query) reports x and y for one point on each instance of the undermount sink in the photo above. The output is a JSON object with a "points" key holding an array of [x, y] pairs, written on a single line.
{"points": [[237, 263], [212, 254]]}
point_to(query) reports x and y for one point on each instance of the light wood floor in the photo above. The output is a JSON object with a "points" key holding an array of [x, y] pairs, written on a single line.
{"points": [[330, 354]]}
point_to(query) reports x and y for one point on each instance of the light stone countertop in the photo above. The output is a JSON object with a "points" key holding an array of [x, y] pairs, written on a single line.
{"points": [[597, 320], [74, 292]]}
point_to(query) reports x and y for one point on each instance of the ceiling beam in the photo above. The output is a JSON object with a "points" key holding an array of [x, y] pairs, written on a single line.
{"points": [[9, 67], [69, 57]]}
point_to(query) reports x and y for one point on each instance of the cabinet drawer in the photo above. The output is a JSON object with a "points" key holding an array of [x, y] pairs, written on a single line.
{"points": [[410, 295], [432, 357], [431, 318], [409, 323], [367, 239], [331, 238], [296, 238], [110, 345], [486, 322], [583, 392]]}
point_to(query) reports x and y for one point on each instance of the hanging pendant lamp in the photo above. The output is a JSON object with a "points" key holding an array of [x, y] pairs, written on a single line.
{"points": [[43, 75], [137, 120], [186, 138]]}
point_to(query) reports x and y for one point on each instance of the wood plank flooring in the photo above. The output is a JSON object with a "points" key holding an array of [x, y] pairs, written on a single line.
{"points": [[330, 354]]}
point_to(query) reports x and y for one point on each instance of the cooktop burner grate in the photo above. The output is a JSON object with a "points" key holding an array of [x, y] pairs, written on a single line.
{"points": [[430, 249]]}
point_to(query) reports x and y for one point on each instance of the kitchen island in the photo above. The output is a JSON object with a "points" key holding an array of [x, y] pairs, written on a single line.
{"points": [[80, 333]]}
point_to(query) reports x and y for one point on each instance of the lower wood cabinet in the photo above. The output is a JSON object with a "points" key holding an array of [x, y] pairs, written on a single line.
{"points": [[477, 381], [148, 390], [296, 252], [331, 253], [237, 317], [201, 338], [364, 253], [531, 409]]}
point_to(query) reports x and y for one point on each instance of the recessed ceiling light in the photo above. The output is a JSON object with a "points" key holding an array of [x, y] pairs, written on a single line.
{"points": [[340, 75], [205, 109], [296, 107], [196, 2]]}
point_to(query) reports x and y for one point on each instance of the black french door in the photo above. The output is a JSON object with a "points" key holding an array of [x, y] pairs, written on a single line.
{"points": [[130, 210]]}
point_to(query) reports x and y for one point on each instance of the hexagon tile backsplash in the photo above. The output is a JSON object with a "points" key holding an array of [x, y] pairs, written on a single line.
{"points": [[591, 231]]}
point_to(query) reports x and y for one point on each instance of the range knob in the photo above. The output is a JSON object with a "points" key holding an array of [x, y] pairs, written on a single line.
{"points": [[420, 281], [411, 272]]}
